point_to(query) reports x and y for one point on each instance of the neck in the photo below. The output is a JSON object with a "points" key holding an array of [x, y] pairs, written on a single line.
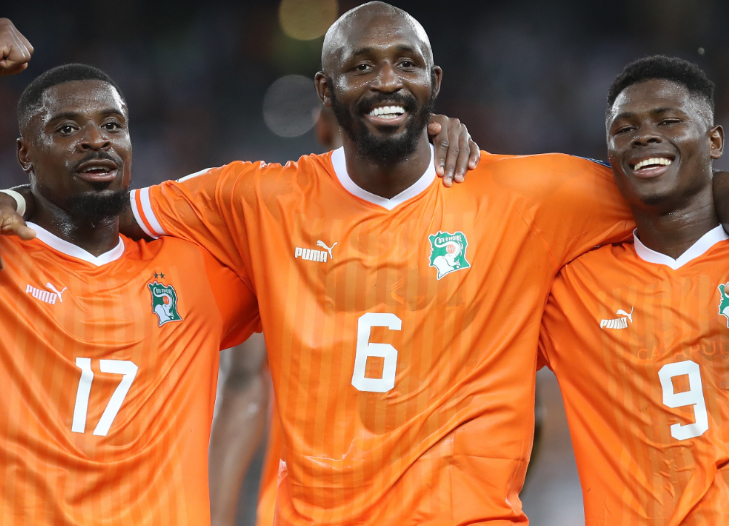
{"points": [[97, 238], [673, 232], [387, 181]]}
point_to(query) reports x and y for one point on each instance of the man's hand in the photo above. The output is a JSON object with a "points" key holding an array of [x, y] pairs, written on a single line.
{"points": [[455, 152], [11, 223], [15, 50]]}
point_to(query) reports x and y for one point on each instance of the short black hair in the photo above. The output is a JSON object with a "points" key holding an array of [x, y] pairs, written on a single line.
{"points": [[30, 99], [667, 68]]}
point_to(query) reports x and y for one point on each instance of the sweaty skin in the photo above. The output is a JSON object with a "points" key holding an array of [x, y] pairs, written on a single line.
{"points": [[673, 205]]}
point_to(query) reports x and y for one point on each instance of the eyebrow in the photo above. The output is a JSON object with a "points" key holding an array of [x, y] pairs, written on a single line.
{"points": [[74, 114], [657, 111], [368, 50]]}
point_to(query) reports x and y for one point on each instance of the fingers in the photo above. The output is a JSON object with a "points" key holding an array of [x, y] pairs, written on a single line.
{"points": [[15, 50], [475, 156], [438, 132], [463, 155], [12, 224], [454, 148]]}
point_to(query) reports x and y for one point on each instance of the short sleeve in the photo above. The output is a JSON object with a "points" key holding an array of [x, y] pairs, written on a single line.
{"points": [[571, 203], [236, 303], [203, 208]]}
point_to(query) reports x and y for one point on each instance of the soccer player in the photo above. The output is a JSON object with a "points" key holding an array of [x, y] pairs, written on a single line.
{"points": [[405, 390], [638, 333], [108, 347]]}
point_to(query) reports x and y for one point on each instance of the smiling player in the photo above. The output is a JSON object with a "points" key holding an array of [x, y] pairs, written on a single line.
{"points": [[636, 333], [388, 416]]}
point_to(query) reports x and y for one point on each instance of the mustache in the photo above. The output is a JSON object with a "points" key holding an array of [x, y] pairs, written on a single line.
{"points": [[98, 156], [408, 102]]}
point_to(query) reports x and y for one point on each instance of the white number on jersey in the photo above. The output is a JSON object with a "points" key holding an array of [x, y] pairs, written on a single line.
{"points": [[365, 349], [694, 396], [127, 369]]}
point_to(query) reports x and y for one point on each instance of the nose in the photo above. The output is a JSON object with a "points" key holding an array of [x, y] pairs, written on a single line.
{"points": [[387, 79], [647, 134], [94, 138]]}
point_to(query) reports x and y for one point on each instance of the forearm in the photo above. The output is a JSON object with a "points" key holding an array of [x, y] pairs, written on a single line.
{"points": [[237, 429], [721, 197]]}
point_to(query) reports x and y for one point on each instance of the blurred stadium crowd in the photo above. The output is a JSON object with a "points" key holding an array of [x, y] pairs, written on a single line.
{"points": [[526, 76]]}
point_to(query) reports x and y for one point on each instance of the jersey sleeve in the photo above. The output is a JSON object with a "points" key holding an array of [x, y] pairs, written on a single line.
{"points": [[236, 303], [203, 208], [572, 204]]}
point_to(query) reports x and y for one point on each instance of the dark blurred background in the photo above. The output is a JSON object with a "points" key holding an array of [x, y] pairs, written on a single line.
{"points": [[210, 82]]}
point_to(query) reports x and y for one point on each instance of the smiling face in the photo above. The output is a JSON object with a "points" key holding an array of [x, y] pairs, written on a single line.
{"points": [[661, 143], [380, 82], [77, 149]]}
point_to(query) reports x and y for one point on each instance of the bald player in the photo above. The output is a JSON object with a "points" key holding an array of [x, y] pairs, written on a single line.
{"points": [[389, 416]]}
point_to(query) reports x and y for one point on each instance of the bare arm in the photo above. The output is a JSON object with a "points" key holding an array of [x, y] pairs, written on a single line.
{"points": [[237, 426], [721, 198]]}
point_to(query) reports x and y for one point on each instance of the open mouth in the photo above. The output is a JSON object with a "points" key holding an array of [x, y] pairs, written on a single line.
{"points": [[392, 114], [97, 170], [652, 166]]}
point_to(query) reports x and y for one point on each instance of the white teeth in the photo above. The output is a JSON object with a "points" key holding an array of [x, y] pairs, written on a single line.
{"points": [[654, 160], [388, 112]]}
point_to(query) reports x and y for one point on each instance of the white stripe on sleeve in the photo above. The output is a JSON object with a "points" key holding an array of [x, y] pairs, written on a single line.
{"points": [[135, 211]]}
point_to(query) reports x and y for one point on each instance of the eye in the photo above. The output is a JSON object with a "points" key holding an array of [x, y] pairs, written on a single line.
{"points": [[623, 129], [66, 129], [362, 67], [407, 63], [112, 126], [671, 120]]}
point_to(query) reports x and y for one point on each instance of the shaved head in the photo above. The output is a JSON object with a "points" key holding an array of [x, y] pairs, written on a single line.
{"points": [[383, 18]]}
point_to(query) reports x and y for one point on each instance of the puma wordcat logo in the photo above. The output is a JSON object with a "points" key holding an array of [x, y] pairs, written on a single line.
{"points": [[618, 323], [44, 295], [310, 254]]}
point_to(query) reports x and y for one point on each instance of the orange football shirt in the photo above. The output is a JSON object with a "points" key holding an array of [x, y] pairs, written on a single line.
{"points": [[402, 333], [108, 366], [640, 345]]}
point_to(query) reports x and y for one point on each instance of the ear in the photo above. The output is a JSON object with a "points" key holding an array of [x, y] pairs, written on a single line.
{"points": [[716, 141], [24, 155], [437, 79], [323, 89]]}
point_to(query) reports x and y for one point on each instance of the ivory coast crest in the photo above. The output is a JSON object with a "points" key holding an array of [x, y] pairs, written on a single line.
{"points": [[448, 252], [164, 302], [724, 302]]}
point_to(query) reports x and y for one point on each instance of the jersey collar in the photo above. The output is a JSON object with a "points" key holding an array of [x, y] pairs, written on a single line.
{"points": [[72, 250], [708, 240], [419, 186]]}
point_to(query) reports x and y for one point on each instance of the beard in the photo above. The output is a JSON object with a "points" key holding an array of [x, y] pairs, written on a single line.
{"points": [[96, 207], [384, 150]]}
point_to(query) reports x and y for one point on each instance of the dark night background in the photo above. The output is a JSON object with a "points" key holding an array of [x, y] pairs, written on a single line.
{"points": [[526, 76]]}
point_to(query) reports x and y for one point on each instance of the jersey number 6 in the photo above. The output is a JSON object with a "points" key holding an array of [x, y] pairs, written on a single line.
{"points": [[365, 349], [694, 396]]}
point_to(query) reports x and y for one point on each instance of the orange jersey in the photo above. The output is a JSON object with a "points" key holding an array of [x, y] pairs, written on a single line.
{"points": [[402, 333], [640, 345], [108, 366], [269, 476]]}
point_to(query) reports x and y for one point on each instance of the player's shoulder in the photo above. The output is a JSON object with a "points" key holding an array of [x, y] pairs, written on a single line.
{"points": [[606, 263], [541, 163], [166, 248]]}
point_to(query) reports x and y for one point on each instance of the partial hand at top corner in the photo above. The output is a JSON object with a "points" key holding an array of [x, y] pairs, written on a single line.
{"points": [[15, 50], [455, 151], [11, 223]]}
